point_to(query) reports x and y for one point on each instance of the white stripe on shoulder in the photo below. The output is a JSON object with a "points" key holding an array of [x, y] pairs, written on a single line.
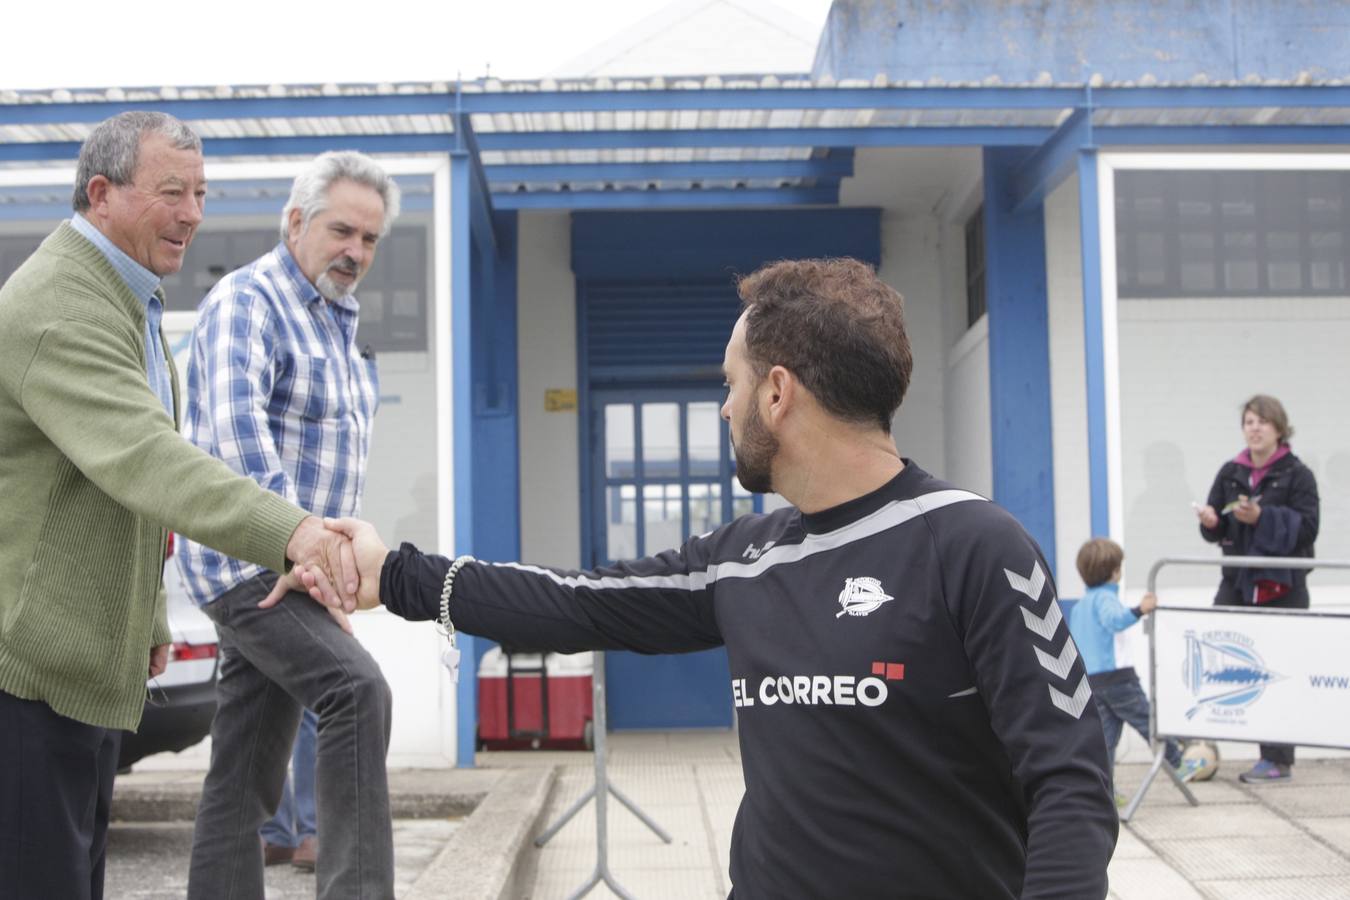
{"points": [[892, 515]]}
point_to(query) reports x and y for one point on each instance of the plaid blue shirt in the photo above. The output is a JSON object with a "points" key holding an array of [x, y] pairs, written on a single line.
{"points": [[278, 390], [145, 285]]}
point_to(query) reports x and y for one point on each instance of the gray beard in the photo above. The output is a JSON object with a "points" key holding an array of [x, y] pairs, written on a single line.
{"points": [[330, 289]]}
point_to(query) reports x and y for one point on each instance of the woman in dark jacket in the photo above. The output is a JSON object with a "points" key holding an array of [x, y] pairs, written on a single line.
{"points": [[1263, 503]]}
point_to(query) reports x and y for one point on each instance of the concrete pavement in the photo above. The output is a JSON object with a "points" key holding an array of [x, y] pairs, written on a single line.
{"points": [[1270, 842]]}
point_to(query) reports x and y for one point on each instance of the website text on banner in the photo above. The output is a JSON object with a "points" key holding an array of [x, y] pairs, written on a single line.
{"points": [[1253, 674]]}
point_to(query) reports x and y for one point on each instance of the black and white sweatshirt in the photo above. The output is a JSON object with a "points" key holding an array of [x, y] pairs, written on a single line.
{"points": [[914, 718]]}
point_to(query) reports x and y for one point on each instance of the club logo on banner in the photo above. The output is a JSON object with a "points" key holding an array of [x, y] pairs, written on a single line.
{"points": [[1225, 675]]}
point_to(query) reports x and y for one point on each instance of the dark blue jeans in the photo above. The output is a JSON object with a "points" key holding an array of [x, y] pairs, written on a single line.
{"points": [[1121, 701]]}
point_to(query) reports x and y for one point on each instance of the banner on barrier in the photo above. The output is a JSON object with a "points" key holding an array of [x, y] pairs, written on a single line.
{"points": [[1238, 674]]}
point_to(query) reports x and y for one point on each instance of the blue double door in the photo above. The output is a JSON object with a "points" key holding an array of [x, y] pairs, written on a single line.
{"points": [[662, 471]]}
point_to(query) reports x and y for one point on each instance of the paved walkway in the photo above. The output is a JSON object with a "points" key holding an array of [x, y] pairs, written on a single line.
{"points": [[1270, 842]]}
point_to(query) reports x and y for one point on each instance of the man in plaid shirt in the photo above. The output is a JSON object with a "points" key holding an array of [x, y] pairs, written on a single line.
{"points": [[279, 389]]}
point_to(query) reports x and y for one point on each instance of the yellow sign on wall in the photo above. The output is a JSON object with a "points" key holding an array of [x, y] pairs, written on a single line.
{"points": [[560, 400]]}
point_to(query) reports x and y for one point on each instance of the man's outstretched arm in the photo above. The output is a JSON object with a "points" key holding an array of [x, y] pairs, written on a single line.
{"points": [[660, 604]]}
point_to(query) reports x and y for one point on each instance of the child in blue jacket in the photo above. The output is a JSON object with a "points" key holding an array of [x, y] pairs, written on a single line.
{"points": [[1093, 623]]}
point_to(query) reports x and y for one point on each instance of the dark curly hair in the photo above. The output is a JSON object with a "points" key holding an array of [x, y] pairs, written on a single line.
{"points": [[837, 327]]}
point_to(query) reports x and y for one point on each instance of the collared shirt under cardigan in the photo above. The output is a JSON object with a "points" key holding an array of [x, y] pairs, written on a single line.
{"points": [[145, 285], [278, 390]]}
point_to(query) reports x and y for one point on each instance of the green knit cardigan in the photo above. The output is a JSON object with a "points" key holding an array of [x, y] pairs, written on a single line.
{"points": [[93, 475]]}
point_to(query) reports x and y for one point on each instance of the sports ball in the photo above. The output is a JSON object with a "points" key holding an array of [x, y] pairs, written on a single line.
{"points": [[1208, 753]]}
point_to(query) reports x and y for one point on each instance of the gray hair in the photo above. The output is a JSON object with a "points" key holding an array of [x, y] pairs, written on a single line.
{"points": [[113, 148], [309, 193]]}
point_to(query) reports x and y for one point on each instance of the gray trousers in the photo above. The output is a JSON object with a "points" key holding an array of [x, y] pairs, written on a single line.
{"points": [[274, 662]]}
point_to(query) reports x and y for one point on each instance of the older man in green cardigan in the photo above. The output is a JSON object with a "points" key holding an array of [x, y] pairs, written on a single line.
{"points": [[93, 477]]}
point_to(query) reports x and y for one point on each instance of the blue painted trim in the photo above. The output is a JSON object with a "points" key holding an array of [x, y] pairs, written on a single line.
{"points": [[975, 136], [1220, 135], [629, 374], [496, 530], [814, 98], [483, 222], [704, 245], [1234, 97], [19, 212], [757, 98], [668, 199], [461, 321], [1094, 355], [233, 189], [233, 108], [366, 143], [1019, 352], [42, 151], [1052, 162], [836, 165]]}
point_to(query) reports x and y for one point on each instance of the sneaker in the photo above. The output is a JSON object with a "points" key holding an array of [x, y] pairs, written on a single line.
{"points": [[1266, 771], [1189, 768]]}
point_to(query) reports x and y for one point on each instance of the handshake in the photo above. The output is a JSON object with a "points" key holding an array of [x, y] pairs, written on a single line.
{"points": [[337, 563]]}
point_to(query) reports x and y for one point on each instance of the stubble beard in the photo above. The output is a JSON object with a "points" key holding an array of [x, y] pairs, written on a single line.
{"points": [[755, 452]]}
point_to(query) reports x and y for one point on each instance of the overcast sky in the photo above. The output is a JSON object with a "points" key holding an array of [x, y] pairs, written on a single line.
{"points": [[80, 43]]}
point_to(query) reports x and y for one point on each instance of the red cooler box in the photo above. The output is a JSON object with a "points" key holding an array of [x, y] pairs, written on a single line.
{"points": [[525, 702]]}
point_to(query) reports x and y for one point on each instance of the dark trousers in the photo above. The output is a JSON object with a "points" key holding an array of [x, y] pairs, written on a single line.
{"points": [[56, 782], [1121, 701], [274, 663], [1282, 754]]}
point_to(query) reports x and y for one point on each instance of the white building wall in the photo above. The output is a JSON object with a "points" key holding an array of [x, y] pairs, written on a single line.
{"points": [[966, 425], [1186, 368], [970, 453], [400, 500], [913, 188], [910, 263], [550, 495], [1068, 385]]}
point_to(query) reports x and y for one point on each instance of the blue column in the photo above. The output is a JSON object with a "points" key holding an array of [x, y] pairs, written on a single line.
{"points": [[496, 464], [461, 321], [1019, 351], [1089, 209]]}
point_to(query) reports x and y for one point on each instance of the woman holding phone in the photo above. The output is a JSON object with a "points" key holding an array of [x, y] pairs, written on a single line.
{"points": [[1263, 503]]}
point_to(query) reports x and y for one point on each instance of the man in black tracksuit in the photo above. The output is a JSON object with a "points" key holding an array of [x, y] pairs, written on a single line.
{"points": [[914, 718]]}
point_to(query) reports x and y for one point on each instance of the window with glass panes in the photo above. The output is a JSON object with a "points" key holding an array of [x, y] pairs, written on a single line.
{"points": [[1232, 233], [668, 471]]}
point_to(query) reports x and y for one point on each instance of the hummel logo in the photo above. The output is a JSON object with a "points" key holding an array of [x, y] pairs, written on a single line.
{"points": [[1045, 627], [753, 552], [861, 596]]}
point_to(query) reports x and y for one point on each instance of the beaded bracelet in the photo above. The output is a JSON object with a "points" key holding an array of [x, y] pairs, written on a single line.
{"points": [[447, 627], [450, 658]]}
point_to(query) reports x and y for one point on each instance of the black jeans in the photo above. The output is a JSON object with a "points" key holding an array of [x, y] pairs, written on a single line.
{"points": [[56, 782], [274, 662]]}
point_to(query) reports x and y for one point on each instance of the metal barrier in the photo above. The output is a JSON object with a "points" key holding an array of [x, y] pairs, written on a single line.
{"points": [[600, 793], [1236, 562]]}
